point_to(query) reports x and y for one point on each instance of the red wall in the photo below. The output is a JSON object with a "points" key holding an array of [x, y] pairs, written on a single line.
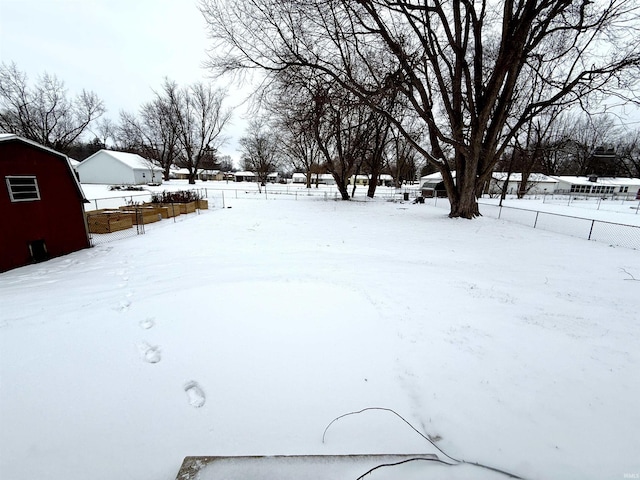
{"points": [[58, 217]]}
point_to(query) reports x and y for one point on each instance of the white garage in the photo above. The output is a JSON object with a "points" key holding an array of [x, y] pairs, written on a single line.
{"points": [[109, 167]]}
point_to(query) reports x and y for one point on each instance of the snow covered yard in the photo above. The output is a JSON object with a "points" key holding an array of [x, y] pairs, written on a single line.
{"points": [[246, 330]]}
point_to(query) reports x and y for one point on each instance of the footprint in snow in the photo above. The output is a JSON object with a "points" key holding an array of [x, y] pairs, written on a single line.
{"points": [[195, 394], [147, 323], [150, 353]]}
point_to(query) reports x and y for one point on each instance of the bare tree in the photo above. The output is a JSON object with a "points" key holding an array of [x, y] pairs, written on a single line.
{"points": [[288, 102], [402, 159], [153, 133], [629, 154], [45, 113], [340, 126], [201, 118], [459, 64], [587, 133], [260, 150]]}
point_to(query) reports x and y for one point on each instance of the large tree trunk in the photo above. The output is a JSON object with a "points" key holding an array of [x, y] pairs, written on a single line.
{"points": [[342, 188], [462, 194], [373, 183], [464, 205]]}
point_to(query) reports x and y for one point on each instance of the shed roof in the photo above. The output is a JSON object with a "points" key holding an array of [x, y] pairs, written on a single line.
{"points": [[132, 160], [7, 137]]}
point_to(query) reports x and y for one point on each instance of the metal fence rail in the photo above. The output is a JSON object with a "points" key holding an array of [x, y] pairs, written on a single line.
{"points": [[110, 224], [618, 234]]}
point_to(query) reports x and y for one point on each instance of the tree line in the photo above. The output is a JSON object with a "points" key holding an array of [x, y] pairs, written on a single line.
{"points": [[460, 81], [407, 87], [181, 126]]}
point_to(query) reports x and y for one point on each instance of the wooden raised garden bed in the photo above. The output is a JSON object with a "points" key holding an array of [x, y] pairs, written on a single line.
{"points": [[108, 221], [189, 207], [173, 209], [141, 215], [163, 211]]}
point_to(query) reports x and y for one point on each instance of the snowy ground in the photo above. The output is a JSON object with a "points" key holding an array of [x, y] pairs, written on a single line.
{"points": [[246, 330]]}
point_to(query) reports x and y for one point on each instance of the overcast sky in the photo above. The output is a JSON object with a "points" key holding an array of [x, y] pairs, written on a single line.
{"points": [[120, 49]]}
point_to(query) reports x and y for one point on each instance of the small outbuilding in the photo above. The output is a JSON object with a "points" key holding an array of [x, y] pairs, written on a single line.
{"points": [[42, 204], [108, 167], [433, 185]]}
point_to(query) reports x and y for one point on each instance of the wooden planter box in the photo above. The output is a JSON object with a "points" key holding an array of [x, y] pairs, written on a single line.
{"points": [[203, 204], [173, 209], [187, 207], [149, 209], [108, 221], [142, 215]]}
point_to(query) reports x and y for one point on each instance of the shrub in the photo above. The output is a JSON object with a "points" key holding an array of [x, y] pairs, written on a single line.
{"points": [[181, 196]]}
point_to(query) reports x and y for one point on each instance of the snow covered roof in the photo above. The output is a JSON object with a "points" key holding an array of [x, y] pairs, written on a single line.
{"points": [[433, 177], [244, 174], [517, 177], [132, 160], [612, 181]]}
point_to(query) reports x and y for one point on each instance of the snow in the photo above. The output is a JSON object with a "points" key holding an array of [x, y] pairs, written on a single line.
{"points": [[246, 330], [132, 160]]}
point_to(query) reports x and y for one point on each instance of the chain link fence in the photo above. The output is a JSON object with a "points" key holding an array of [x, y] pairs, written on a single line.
{"points": [[618, 234], [109, 224]]}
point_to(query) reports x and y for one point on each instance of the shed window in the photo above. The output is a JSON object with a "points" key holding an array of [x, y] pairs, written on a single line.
{"points": [[23, 189]]}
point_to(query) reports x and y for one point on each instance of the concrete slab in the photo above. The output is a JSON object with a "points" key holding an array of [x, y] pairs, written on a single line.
{"points": [[328, 467]]}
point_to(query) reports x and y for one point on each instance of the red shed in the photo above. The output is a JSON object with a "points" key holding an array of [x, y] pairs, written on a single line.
{"points": [[41, 204]]}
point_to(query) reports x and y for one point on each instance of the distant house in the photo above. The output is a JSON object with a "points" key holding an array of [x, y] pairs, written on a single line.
{"points": [[323, 179], [383, 179], [42, 204], [316, 178], [207, 174], [118, 168], [601, 186], [359, 180], [537, 183], [244, 176], [183, 174], [298, 178]]}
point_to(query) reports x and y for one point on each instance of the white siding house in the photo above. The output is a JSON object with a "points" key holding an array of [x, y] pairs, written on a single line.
{"points": [[608, 186], [118, 168], [537, 183]]}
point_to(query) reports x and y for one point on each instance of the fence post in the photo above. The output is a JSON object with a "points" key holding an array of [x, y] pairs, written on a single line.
{"points": [[536, 220], [591, 229], [500, 212], [223, 199]]}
